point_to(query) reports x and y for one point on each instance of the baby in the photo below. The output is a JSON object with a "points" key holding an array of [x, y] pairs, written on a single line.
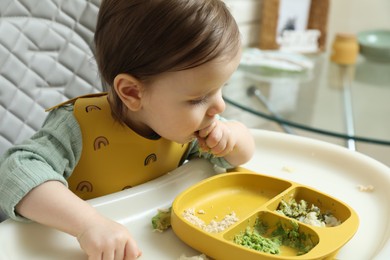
{"points": [[163, 63]]}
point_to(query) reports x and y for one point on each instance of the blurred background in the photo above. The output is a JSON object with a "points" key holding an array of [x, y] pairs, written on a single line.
{"points": [[341, 16], [348, 16]]}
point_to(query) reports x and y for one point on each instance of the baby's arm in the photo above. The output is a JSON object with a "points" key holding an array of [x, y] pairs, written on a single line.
{"points": [[52, 204], [32, 184], [229, 139]]}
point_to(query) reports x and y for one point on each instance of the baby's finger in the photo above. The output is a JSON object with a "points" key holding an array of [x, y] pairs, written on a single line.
{"points": [[206, 131], [97, 256], [132, 251], [120, 253], [223, 152], [109, 255], [214, 138], [218, 150], [202, 144]]}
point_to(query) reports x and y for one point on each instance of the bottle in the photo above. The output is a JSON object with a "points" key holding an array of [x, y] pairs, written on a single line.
{"points": [[345, 49], [344, 54]]}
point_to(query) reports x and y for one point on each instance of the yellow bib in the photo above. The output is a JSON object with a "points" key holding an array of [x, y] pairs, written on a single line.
{"points": [[113, 156]]}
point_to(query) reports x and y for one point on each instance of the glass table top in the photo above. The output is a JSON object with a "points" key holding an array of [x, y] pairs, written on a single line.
{"points": [[345, 102]]}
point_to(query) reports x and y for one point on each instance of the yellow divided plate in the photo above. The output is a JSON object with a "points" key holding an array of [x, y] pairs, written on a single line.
{"points": [[255, 197]]}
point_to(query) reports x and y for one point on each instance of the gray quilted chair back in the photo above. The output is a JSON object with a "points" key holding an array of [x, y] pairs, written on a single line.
{"points": [[46, 57]]}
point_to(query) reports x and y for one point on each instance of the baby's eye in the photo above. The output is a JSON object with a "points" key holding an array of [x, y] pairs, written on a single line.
{"points": [[199, 101]]}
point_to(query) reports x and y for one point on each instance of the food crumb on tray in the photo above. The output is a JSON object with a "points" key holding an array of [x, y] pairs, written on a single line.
{"points": [[201, 211], [365, 188], [197, 257], [288, 169], [213, 226], [162, 220]]}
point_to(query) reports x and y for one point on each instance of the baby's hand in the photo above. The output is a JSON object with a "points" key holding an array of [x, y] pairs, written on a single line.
{"points": [[217, 139], [106, 239]]}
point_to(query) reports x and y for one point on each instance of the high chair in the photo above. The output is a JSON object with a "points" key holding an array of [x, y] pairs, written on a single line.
{"points": [[46, 57]]}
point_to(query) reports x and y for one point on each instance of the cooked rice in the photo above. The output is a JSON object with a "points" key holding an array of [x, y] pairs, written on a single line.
{"points": [[213, 226]]}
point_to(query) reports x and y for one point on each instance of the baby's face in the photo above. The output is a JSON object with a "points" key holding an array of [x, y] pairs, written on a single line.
{"points": [[178, 104]]}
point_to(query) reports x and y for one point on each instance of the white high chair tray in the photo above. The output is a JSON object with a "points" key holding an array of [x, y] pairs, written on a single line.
{"points": [[329, 168]]}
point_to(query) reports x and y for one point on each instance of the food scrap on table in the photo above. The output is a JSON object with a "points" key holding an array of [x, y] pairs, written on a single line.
{"points": [[365, 188], [197, 257], [162, 220], [288, 169]]}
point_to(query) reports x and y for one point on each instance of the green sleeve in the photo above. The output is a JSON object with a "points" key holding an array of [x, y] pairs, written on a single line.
{"points": [[50, 154]]}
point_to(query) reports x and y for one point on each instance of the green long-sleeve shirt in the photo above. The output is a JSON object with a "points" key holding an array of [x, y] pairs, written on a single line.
{"points": [[51, 154]]}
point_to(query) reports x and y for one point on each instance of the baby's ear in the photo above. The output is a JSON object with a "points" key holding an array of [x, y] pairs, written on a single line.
{"points": [[129, 90]]}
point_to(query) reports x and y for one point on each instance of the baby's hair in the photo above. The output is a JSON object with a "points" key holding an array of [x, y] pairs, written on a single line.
{"points": [[144, 38]]}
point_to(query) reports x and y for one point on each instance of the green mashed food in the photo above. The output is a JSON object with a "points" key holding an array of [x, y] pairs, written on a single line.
{"points": [[262, 238]]}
